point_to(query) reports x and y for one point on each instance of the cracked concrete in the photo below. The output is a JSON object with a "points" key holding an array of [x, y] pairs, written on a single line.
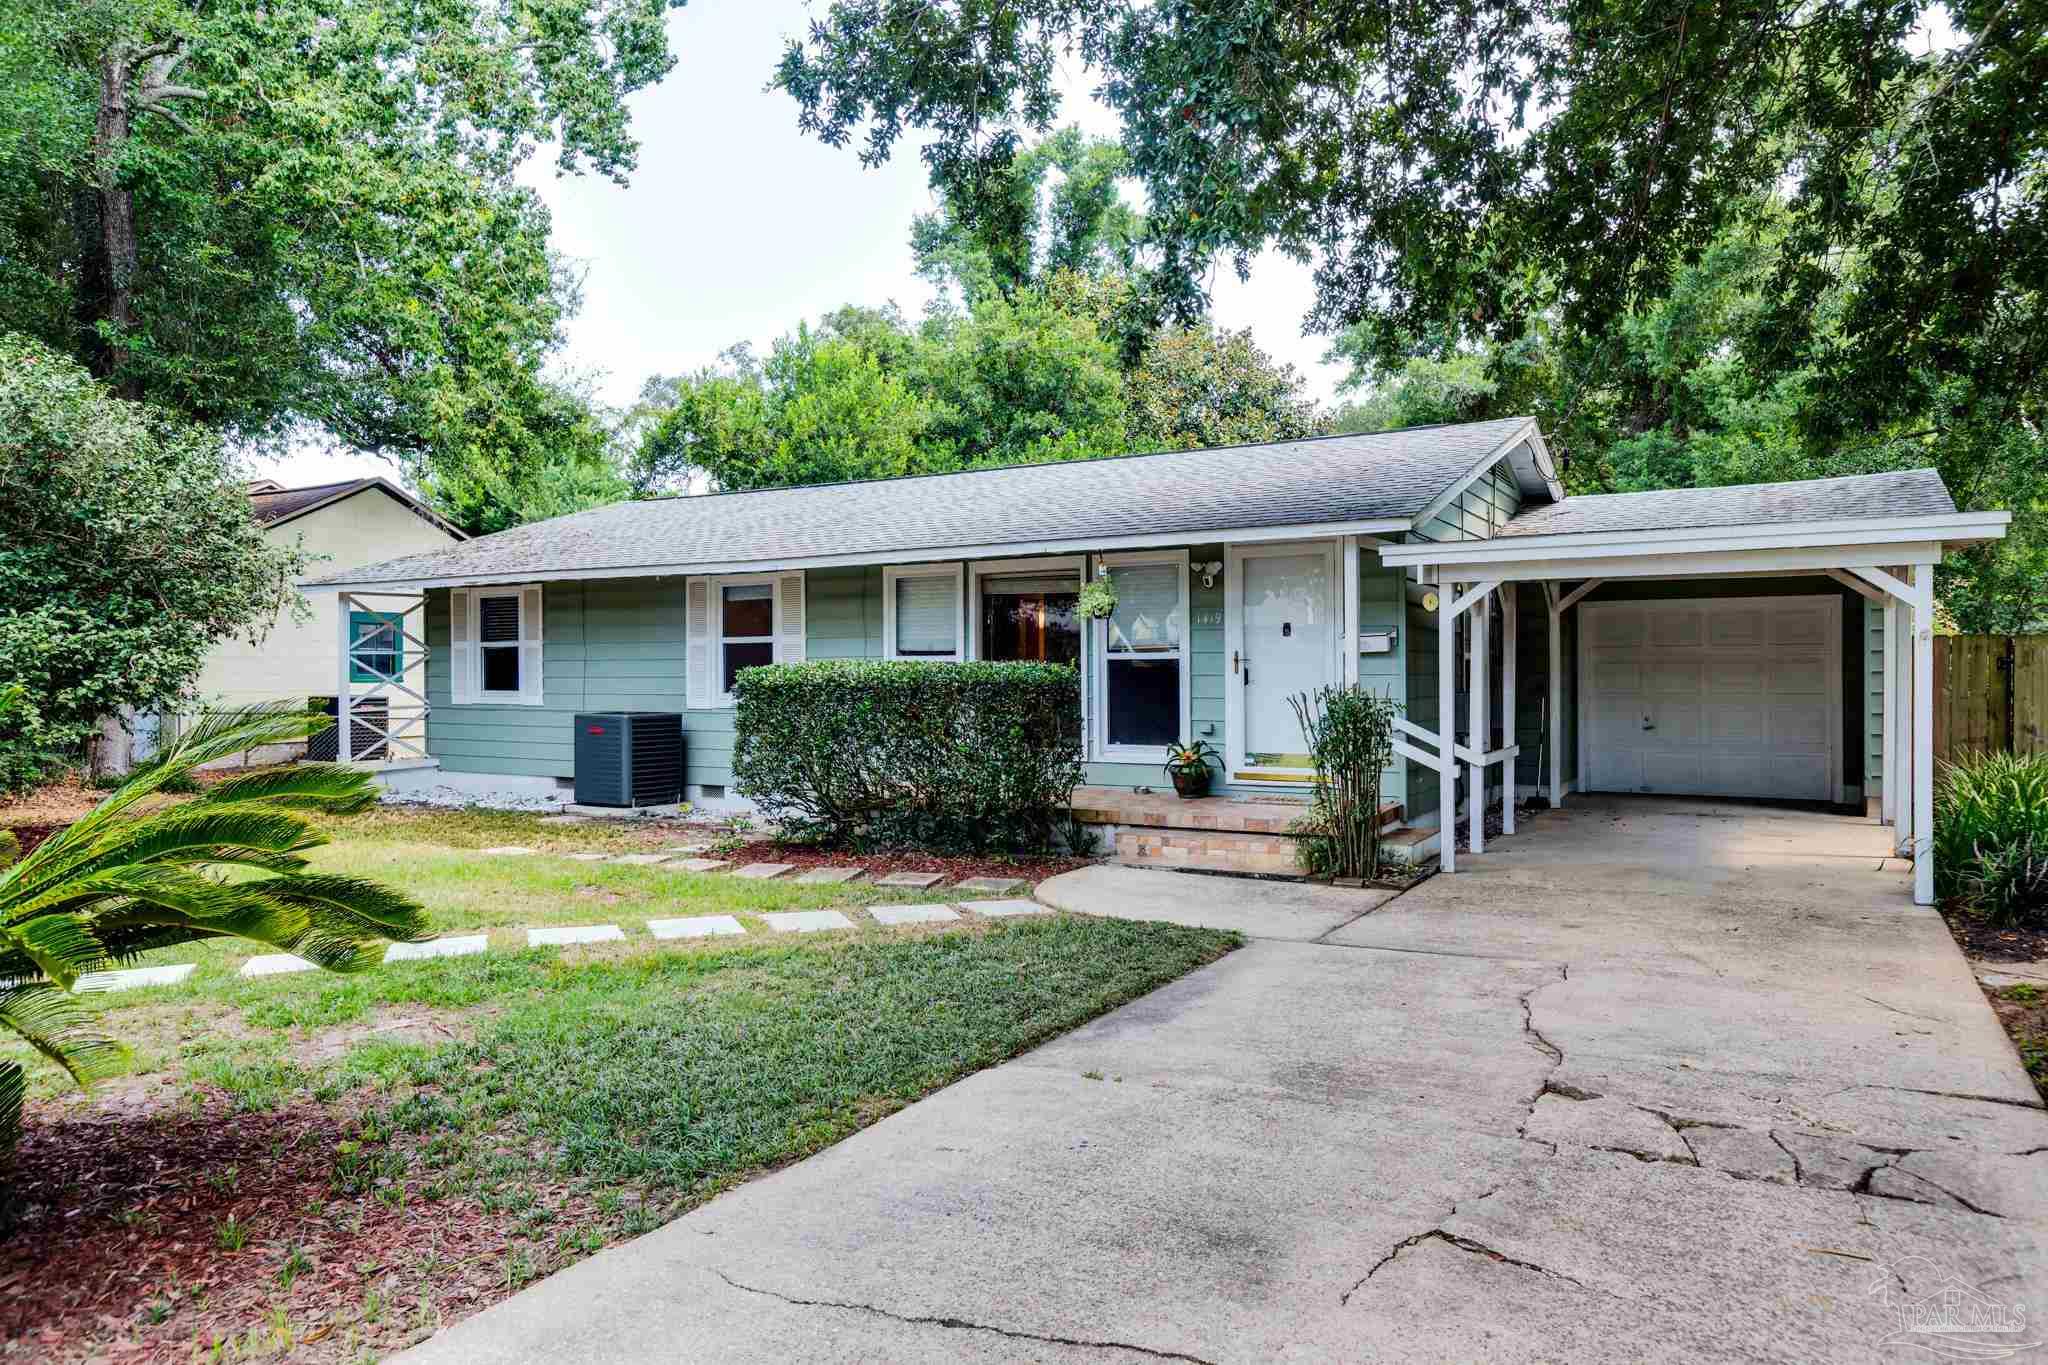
{"points": [[1646, 1081]]}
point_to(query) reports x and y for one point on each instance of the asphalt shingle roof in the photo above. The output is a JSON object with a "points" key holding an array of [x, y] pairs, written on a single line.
{"points": [[1193, 492], [1908, 493], [277, 504]]}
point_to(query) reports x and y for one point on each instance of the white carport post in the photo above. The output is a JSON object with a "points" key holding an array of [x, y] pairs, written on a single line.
{"points": [[1508, 772], [1554, 729], [1478, 710], [1447, 724], [1923, 734]]}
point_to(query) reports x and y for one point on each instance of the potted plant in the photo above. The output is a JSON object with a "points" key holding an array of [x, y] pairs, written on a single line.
{"points": [[1188, 766], [1097, 600]]}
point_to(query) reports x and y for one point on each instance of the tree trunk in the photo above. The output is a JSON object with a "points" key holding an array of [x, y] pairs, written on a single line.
{"points": [[117, 246]]}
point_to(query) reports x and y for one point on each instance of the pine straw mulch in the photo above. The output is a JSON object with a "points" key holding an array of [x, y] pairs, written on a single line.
{"points": [[1987, 942], [117, 1253]]}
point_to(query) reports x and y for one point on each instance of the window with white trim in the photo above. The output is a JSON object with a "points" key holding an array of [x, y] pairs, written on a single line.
{"points": [[746, 629], [495, 639], [1143, 649], [921, 612]]}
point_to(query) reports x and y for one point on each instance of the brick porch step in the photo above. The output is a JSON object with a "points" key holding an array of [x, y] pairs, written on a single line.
{"points": [[1155, 810], [1270, 855]]}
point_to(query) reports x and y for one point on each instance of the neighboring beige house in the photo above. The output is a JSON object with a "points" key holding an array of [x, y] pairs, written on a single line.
{"points": [[339, 526]]}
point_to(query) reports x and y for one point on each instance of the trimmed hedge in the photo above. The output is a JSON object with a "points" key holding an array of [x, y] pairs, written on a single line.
{"points": [[911, 753]]}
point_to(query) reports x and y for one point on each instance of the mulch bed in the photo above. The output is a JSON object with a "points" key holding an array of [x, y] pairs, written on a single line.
{"points": [[803, 857], [116, 1248], [1988, 942]]}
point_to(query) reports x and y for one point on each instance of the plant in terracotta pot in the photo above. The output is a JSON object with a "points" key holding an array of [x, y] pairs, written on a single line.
{"points": [[1188, 766]]}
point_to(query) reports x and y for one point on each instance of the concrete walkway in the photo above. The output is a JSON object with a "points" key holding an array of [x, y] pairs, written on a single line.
{"points": [[1650, 1080]]}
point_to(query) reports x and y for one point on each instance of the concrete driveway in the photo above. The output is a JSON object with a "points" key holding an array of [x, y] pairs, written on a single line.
{"points": [[1651, 1079]]}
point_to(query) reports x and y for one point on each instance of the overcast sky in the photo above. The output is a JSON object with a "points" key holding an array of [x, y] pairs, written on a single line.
{"points": [[736, 226]]}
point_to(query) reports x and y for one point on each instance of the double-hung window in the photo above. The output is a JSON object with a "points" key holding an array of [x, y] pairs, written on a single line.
{"points": [[746, 629], [1143, 649], [495, 639], [921, 612]]}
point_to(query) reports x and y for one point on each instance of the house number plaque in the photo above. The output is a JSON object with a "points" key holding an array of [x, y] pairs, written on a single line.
{"points": [[1208, 616]]}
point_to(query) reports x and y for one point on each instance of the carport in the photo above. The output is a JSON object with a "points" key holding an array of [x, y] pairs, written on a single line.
{"points": [[1722, 695]]}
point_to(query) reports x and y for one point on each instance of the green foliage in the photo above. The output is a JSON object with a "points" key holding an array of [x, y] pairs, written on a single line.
{"points": [[263, 213], [10, 848], [1991, 836], [1772, 241], [1350, 735], [127, 551], [26, 751], [118, 884], [1191, 757], [1196, 386], [947, 756]]}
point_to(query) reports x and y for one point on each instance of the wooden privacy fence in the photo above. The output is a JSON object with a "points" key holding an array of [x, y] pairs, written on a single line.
{"points": [[1990, 692]]}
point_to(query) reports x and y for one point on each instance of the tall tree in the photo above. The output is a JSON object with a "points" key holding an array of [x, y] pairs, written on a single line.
{"points": [[258, 213]]}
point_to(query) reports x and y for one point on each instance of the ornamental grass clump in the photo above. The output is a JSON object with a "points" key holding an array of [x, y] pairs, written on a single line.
{"points": [[1991, 836], [1350, 734], [226, 864]]}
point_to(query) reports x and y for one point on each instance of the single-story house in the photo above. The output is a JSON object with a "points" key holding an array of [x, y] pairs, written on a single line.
{"points": [[339, 526], [1755, 641]]}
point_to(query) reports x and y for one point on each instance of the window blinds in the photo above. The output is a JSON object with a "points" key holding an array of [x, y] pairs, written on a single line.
{"points": [[1147, 619], [927, 620]]}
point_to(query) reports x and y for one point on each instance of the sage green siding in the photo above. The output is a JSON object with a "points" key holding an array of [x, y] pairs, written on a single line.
{"points": [[609, 645], [844, 613], [1382, 605]]}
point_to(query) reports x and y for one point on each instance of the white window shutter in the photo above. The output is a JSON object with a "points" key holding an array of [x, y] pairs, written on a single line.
{"points": [[697, 642], [461, 646], [789, 617], [531, 660]]}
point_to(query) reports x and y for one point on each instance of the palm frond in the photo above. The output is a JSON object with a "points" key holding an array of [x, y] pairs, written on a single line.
{"points": [[62, 946], [170, 833], [328, 787], [53, 1022], [165, 886], [369, 908]]}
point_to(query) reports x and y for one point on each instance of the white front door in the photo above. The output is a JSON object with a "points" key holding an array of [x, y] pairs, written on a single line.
{"points": [[1285, 643], [1735, 696]]}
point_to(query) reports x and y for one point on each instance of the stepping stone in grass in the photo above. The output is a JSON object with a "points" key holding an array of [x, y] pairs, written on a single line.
{"points": [[807, 921], [1003, 909], [680, 850], [762, 872], [572, 933], [916, 881], [831, 876], [275, 964], [563, 819], [699, 926], [699, 864], [507, 851], [640, 859], [460, 945], [992, 886], [912, 914], [132, 977], [590, 857]]}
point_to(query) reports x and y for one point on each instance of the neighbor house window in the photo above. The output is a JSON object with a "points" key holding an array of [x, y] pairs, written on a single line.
{"points": [[1144, 655], [376, 646], [921, 612]]}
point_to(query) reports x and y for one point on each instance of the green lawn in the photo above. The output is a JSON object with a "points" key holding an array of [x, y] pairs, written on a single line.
{"points": [[557, 1098]]}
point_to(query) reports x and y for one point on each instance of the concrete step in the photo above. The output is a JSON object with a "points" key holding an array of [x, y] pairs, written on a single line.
{"points": [[1409, 846], [1266, 855]]}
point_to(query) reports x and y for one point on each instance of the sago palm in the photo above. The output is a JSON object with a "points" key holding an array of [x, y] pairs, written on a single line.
{"points": [[225, 864]]}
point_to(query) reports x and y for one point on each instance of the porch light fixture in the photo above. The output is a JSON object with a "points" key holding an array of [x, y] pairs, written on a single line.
{"points": [[1209, 571]]}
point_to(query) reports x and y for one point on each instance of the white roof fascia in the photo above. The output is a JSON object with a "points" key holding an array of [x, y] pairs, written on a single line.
{"points": [[1951, 528], [930, 554], [1816, 559]]}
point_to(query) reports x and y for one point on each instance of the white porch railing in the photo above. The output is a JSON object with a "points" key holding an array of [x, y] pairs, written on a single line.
{"points": [[381, 687]]}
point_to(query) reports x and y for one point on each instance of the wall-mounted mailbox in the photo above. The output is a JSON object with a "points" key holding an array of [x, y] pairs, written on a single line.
{"points": [[1376, 641]]}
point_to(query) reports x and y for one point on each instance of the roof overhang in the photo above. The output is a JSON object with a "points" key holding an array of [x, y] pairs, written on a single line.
{"points": [[1761, 548], [1525, 453], [381, 485], [1244, 535]]}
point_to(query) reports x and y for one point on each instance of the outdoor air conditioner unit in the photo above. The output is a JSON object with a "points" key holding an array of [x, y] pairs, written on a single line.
{"points": [[629, 758]]}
